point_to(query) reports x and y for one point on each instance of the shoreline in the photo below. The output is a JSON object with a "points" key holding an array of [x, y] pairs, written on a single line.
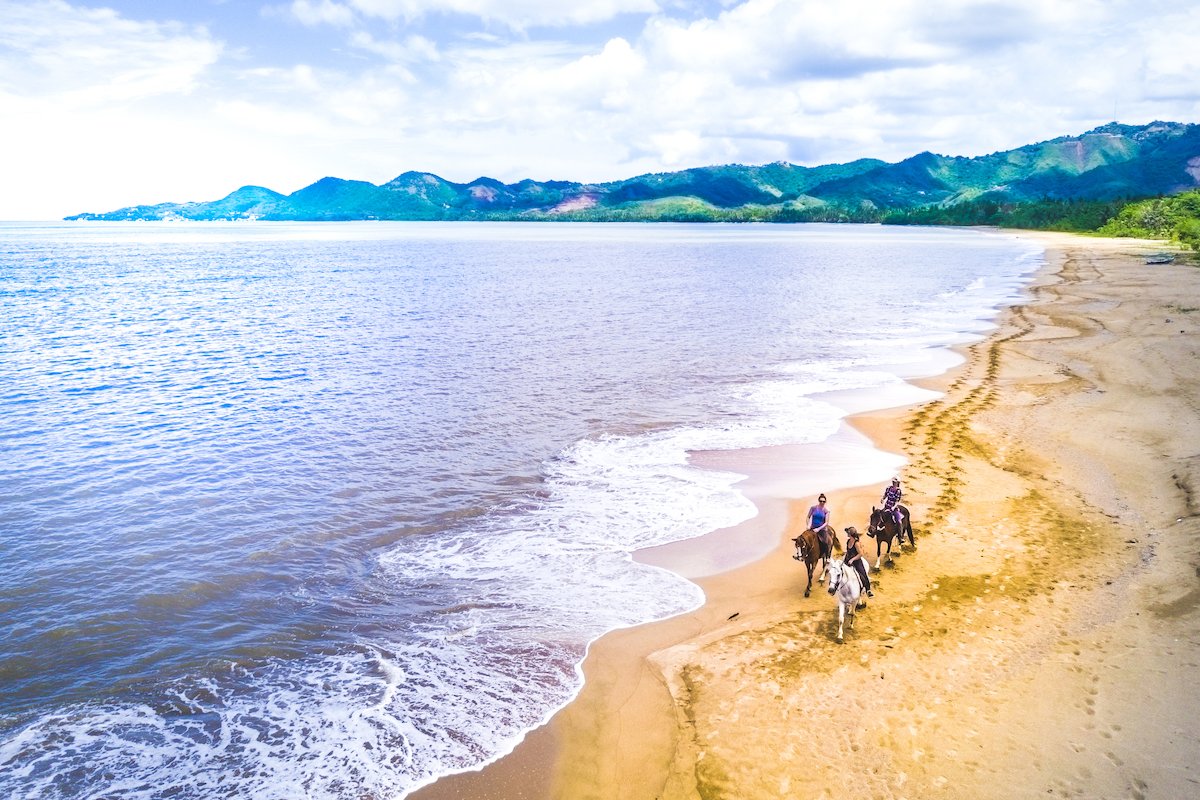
{"points": [[1023, 519]]}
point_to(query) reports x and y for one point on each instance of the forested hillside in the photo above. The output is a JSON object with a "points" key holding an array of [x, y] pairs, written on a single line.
{"points": [[1072, 182]]}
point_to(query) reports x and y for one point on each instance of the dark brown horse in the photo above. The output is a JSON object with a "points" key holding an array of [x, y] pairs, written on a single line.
{"points": [[883, 529], [809, 549]]}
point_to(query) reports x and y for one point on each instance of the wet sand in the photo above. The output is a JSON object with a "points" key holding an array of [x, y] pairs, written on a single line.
{"points": [[1042, 640]]}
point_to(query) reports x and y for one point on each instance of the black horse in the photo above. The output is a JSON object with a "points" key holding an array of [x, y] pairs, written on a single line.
{"points": [[883, 528]]}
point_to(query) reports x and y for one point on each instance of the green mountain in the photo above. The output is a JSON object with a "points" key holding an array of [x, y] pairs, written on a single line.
{"points": [[1112, 162]]}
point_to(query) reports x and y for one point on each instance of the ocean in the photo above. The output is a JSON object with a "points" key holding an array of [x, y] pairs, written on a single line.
{"points": [[329, 510]]}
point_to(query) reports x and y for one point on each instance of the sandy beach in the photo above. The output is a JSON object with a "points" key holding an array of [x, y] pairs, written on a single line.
{"points": [[1043, 640]]}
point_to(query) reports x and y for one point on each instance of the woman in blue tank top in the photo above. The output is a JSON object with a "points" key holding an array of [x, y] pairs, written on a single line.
{"points": [[818, 522]]}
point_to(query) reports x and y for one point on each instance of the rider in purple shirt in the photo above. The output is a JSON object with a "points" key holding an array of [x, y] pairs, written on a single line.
{"points": [[891, 501]]}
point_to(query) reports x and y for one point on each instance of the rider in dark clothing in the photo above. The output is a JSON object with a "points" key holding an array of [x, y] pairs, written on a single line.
{"points": [[855, 559]]}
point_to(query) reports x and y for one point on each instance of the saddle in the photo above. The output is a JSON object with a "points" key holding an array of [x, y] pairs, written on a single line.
{"points": [[827, 536]]}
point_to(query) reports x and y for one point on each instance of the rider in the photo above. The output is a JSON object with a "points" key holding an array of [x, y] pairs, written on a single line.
{"points": [[854, 558], [818, 521], [891, 502]]}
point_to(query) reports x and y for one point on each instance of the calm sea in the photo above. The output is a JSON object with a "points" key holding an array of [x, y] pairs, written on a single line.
{"points": [[329, 510]]}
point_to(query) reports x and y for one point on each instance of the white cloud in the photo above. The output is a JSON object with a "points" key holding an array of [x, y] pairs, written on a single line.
{"points": [[474, 87], [1170, 70], [956, 76], [95, 57], [298, 79], [270, 120], [76, 89], [414, 48], [602, 80], [778, 41], [322, 12], [516, 14]]}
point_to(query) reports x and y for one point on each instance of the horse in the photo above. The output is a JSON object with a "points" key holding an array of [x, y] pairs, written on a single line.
{"points": [[810, 548], [846, 586], [883, 529]]}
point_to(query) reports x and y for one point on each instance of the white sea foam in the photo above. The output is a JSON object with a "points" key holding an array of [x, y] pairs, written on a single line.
{"points": [[504, 604], [532, 588], [535, 588]]}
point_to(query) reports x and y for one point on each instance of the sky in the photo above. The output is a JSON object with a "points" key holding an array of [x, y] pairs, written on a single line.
{"points": [[111, 104]]}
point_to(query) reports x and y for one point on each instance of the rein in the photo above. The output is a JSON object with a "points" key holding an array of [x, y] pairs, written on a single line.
{"points": [[841, 576]]}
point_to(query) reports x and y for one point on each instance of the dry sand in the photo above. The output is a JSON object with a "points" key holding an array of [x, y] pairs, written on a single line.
{"points": [[1042, 641]]}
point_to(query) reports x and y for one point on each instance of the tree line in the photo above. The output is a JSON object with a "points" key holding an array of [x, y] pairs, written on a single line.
{"points": [[1175, 217]]}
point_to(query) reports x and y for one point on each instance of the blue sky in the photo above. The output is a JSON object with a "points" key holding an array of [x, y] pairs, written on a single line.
{"points": [[109, 104]]}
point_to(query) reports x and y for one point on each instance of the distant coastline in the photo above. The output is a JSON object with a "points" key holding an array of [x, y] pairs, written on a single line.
{"points": [[1107, 166]]}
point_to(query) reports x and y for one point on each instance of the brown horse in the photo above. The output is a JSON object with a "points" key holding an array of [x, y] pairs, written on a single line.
{"points": [[809, 550], [883, 529]]}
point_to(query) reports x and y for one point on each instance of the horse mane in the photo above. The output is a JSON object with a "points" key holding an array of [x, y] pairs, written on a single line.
{"points": [[801, 545], [848, 571], [805, 540]]}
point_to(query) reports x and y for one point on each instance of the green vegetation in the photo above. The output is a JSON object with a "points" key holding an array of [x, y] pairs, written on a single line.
{"points": [[1047, 215], [1176, 218], [695, 209]]}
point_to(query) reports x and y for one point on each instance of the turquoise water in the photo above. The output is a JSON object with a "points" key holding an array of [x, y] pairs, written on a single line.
{"points": [[329, 510]]}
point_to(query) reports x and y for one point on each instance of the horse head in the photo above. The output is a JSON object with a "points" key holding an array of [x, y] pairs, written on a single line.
{"points": [[879, 518], [835, 568], [801, 543]]}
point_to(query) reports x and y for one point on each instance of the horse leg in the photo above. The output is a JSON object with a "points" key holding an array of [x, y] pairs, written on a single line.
{"points": [[808, 588], [905, 527], [878, 551], [841, 619]]}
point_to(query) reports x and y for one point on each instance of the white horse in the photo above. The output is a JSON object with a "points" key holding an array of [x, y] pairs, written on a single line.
{"points": [[846, 585]]}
